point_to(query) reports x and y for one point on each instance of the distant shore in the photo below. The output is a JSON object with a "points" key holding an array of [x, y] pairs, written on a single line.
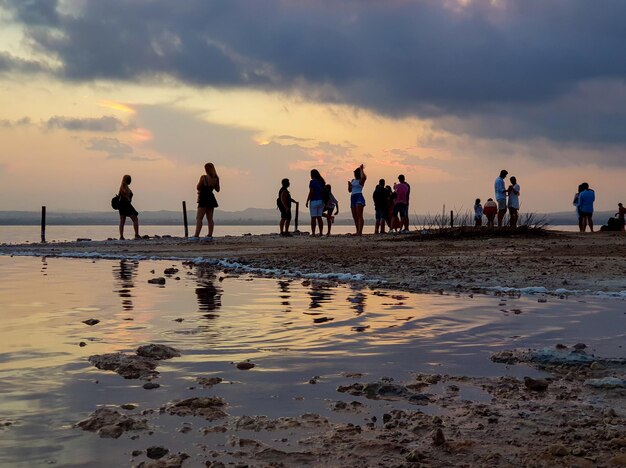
{"points": [[560, 262]]}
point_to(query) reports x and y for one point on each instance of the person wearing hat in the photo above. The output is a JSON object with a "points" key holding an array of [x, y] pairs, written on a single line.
{"points": [[500, 189]]}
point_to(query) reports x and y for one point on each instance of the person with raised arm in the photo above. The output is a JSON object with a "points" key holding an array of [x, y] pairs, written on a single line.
{"points": [[357, 200]]}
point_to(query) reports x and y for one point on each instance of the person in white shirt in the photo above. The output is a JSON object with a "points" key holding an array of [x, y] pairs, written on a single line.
{"points": [[501, 195], [513, 192]]}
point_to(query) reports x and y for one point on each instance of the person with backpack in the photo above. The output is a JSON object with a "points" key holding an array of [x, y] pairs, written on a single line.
{"points": [[284, 205], [315, 201], [330, 204], [126, 208], [357, 201]]}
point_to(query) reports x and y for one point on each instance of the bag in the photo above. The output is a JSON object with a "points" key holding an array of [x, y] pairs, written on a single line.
{"points": [[115, 202]]}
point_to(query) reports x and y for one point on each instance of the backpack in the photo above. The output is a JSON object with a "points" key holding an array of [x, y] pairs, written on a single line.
{"points": [[115, 202]]}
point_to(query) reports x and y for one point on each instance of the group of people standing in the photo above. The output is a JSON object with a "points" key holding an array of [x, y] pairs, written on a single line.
{"points": [[507, 199], [392, 206], [208, 183]]}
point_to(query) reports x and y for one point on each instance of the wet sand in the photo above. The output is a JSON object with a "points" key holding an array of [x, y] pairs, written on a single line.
{"points": [[555, 260]]}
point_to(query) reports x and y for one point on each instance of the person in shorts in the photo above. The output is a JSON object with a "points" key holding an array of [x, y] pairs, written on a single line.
{"points": [[284, 206], [513, 202], [585, 205], [500, 190], [330, 204], [357, 201], [315, 201], [402, 192]]}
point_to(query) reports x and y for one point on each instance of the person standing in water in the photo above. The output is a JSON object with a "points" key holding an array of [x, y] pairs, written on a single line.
{"points": [[513, 203], [284, 205], [357, 200], [500, 190], [126, 208], [207, 202]]}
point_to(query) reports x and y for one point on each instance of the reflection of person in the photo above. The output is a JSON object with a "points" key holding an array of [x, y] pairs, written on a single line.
{"points": [[315, 200], [402, 192], [585, 205], [208, 295], [621, 213], [124, 275], [513, 203], [478, 213], [500, 190], [357, 200], [126, 208], [206, 199], [490, 210], [331, 204], [284, 205], [381, 206]]}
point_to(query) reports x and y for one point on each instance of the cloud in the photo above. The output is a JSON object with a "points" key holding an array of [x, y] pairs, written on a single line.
{"points": [[115, 149], [5, 123], [497, 69], [100, 124], [10, 63]]}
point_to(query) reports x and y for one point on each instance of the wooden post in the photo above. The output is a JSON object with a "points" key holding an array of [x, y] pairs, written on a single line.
{"points": [[185, 219], [43, 224], [451, 218], [296, 220]]}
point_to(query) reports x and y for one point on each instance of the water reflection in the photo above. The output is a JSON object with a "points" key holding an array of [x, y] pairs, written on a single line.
{"points": [[283, 288], [358, 302], [208, 294], [320, 294], [125, 274]]}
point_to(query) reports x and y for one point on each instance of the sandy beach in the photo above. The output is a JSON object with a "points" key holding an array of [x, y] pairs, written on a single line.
{"points": [[558, 261]]}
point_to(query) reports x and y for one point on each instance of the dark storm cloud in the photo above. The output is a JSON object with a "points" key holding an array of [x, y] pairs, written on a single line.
{"points": [[9, 63], [399, 57], [99, 124]]}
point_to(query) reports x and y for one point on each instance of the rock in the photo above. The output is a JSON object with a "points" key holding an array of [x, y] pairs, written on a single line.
{"points": [[580, 346], [91, 322], [159, 280], [151, 385], [208, 407], [560, 346], [170, 271], [82, 344], [438, 437], [208, 382], [558, 450], [157, 351], [128, 366], [536, 385], [110, 423], [415, 456], [173, 461], [128, 406], [597, 366], [156, 452], [606, 383], [136, 453], [618, 460], [322, 319], [245, 365]]}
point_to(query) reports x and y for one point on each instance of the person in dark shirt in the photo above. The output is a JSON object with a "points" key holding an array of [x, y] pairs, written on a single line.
{"points": [[381, 206]]}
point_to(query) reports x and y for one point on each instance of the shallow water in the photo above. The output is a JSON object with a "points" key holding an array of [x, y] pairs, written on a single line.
{"points": [[47, 384]]}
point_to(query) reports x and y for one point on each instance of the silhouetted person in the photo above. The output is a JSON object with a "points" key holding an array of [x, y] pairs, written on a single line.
{"points": [[513, 204], [381, 206], [207, 202], [330, 204], [478, 213], [500, 191], [490, 210], [126, 208], [575, 203], [284, 205], [585, 202], [357, 200], [315, 200], [402, 193], [621, 213]]}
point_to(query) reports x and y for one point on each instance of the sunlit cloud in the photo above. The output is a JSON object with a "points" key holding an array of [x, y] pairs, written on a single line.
{"points": [[118, 106]]}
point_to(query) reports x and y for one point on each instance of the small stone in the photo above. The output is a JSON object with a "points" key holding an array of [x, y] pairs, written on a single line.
{"points": [[156, 452], [558, 450], [170, 271], [536, 385], [82, 344], [151, 385], [179, 320], [560, 346], [322, 319], [438, 437], [110, 432], [597, 366], [159, 280], [91, 322], [128, 406], [579, 346], [136, 453], [245, 365]]}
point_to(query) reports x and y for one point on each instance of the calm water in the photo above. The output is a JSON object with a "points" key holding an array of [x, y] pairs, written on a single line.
{"points": [[30, 234], [47, 384]]}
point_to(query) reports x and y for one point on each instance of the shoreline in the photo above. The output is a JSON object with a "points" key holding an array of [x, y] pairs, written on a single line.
{"points": [[556, 262]]}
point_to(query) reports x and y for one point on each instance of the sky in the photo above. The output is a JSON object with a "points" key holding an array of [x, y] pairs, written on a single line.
{"points": [[446, 92]]}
